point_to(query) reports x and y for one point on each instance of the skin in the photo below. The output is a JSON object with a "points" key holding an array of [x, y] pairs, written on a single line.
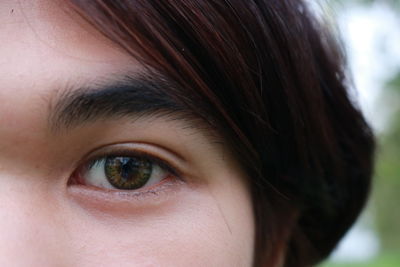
{"points": [[201, 218]]}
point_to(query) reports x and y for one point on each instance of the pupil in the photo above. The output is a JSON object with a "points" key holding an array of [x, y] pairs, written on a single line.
{"points": [[128, 170]]}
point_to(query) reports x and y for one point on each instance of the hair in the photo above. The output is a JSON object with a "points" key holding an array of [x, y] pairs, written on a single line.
{"points": [[270, 78]]}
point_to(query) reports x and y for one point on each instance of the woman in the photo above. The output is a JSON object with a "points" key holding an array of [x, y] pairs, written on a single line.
{"points": [[175, 133]]}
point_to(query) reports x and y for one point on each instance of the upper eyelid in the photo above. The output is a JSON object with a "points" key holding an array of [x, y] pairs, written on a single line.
{"points": [[171, 162], [110, 146], [154, 159]]}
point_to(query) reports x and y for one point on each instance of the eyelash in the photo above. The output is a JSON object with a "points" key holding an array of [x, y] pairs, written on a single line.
{"points": [[174, 174]]}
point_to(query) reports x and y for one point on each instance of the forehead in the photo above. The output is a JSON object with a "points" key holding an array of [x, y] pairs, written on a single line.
{"points": [[44, 41]]}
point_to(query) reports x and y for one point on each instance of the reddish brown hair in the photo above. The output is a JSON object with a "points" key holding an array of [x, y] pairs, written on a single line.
{"points": [[269, 78]]}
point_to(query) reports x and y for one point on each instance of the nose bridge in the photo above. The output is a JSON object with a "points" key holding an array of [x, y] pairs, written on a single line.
{"points": [[28, 233]]}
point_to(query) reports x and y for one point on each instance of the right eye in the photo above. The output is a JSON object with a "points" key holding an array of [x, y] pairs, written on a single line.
{"points": [[122, 172]]}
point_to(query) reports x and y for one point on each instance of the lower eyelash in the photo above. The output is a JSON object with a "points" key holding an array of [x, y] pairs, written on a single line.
{"points": [[112, 200]]}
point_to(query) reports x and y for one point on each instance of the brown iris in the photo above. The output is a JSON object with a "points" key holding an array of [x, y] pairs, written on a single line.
{"points": [[127, 173]]}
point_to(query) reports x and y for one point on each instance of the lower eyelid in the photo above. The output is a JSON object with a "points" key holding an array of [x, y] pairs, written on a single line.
{"points": [[118, 200]]}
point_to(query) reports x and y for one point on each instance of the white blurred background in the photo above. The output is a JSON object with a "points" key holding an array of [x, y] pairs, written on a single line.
{"points": [[370, 30]]}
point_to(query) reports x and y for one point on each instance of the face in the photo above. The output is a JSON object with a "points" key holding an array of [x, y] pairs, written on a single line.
{"points": [[88, 180]]}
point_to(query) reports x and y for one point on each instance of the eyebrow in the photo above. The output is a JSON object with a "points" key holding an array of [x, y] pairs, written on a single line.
{"points": [[132, 97]]}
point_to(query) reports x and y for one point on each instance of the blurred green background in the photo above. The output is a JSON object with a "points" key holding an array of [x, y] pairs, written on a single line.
{"points": [[358, 19]]}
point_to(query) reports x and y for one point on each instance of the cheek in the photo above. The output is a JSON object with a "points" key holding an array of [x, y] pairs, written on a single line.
{"points": [[197, 230]]}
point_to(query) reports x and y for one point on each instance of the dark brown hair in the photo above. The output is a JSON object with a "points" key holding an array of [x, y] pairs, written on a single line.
{"points": [[270, 79]]}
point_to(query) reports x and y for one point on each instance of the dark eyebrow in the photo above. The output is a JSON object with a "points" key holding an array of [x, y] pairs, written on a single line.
{"points": [[132, 96]]}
